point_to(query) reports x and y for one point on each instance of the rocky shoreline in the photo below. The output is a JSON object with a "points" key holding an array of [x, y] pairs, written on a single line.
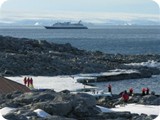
{"points": [[22, 56], [68, 106]]}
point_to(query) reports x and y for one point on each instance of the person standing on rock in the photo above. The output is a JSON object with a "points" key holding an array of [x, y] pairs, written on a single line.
{"points": [[109, 88], [31, 83], [125, 97], [147, 91], [25, 81], [143, 91], [130, 91], [28, 82]]}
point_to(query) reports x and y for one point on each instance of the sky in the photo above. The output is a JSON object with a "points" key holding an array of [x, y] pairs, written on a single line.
{"points": [[87, 10]]}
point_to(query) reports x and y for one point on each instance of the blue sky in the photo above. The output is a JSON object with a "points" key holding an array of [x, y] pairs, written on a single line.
{"points": [[78, 9]]}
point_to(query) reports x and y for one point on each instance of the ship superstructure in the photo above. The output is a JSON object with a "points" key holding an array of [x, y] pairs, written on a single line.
{"points": [[67, 25]]}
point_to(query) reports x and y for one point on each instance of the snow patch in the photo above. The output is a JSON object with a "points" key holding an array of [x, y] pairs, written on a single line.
{"points": [[103, 109], [109, 73], [6, 110], [58, 83], [158, 118], [134, 108], [2, 118], [42, 113], [149, 63]]}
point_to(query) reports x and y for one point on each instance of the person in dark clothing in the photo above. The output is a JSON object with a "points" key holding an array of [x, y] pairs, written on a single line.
{"points": [[109, 88], [147, 91]]}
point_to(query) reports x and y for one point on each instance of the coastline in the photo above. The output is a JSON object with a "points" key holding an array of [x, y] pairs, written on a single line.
{"points": [[22, 56], [41, 58], [67, 82]]}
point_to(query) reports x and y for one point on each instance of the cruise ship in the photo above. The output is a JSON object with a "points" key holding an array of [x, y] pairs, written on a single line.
{"points": [[67, 25]]}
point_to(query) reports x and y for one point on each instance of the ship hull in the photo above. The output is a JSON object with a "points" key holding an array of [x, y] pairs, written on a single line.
{"points": [[51, 27]]}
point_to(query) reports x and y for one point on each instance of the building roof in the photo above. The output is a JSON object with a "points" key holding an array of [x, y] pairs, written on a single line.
{"points": [[8, 86]]}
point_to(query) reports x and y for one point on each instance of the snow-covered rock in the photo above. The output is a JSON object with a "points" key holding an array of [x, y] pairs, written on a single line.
{"points": [[42, 113]]}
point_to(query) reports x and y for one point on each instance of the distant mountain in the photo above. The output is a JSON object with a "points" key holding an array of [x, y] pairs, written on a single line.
{"points": [[42, 22]]}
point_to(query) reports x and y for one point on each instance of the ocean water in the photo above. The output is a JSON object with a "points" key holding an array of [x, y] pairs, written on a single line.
{"points": [[117, 39], [137, 85]]}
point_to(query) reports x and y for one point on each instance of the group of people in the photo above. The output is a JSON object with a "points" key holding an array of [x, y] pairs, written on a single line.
{"points": [[125, 95], [28, 81], [145, 91]]}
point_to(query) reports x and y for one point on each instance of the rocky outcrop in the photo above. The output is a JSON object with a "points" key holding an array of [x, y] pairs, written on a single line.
{"points": [[21, 56], [109, 101], [66, 106], [150, 100]]}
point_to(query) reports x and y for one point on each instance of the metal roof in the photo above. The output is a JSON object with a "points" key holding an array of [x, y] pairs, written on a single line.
{"points": [[8, 86]]}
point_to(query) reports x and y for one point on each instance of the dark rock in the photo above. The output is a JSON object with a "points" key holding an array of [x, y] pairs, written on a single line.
{"points": [[124, 76], [67, 106], [107, 102], [149, 100], [153, 116], [12, 116], [87, 99], [142, 117], [61, 109], [114, 116], [156, 101], [29, 98], [65, 91], [59, 118], [8, 72], [34, 57], [83, 111], [135, 99]]}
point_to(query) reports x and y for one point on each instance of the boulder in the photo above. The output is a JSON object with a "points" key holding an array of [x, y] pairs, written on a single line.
{"points": [[60, 108], [82, 110], [84, 98], [13, 116], [156, 101], [149, 100], [142, 117], [54, 117], [29, 98]]}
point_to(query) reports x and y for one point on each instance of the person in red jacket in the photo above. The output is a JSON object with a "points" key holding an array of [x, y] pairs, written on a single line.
{"points": [[28, 82], [25, 81], [143, 91], [125, 96], [130, 91], [123, 100]]}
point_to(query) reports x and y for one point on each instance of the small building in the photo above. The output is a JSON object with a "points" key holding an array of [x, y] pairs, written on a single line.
{"points": [[8, 86]]}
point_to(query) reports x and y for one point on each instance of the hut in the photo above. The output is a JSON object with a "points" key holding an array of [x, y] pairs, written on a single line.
{"points": [[8, 86]]}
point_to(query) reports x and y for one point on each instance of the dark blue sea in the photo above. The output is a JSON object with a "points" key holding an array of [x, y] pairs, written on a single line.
{"points": [[112, 39]]}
